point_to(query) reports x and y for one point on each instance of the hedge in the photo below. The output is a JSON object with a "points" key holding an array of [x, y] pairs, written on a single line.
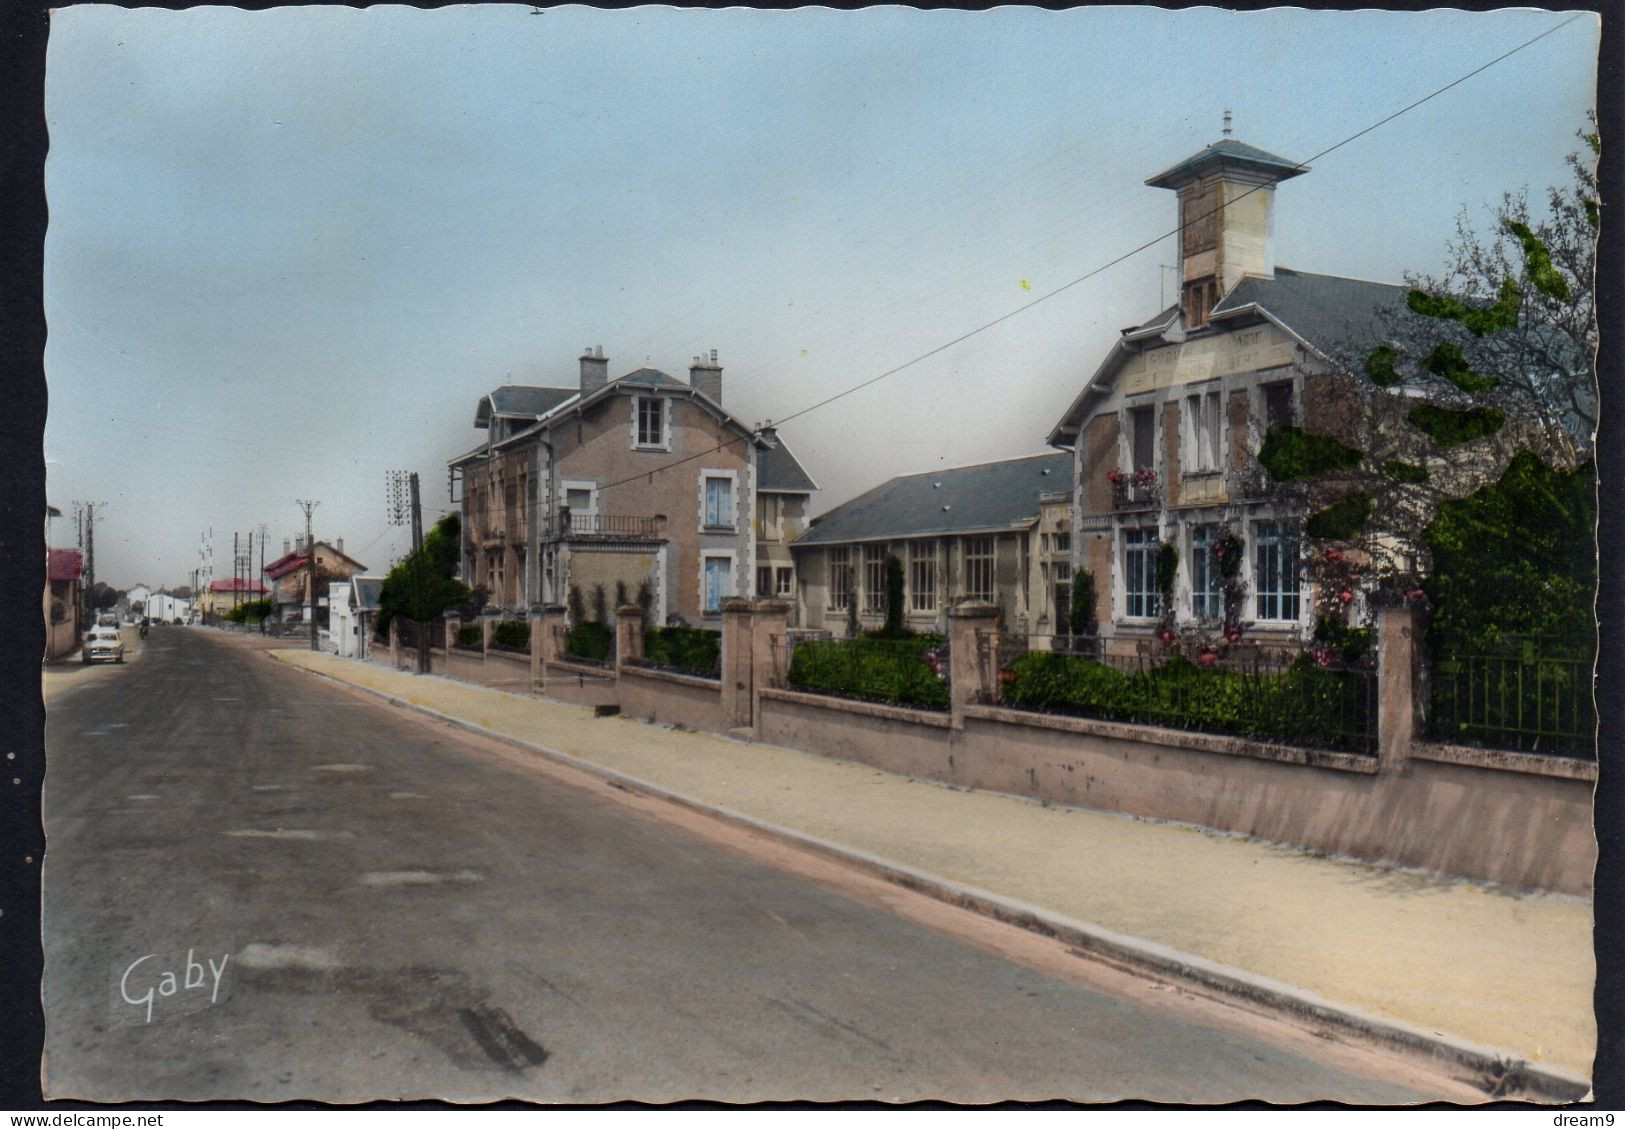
{"points": [[1304, 704], [470, 636], [590, 641], [894, 671], [685, 648], [512, 633]]}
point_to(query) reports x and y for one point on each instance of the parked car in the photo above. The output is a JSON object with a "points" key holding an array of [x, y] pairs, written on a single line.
{"points": [[107, 619], [102, 643]]}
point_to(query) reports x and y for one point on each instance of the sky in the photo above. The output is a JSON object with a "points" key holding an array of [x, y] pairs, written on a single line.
{"points": [[290, 250]]}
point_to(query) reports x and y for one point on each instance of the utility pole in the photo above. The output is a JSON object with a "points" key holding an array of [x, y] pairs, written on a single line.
{"points": [[87, 593], [310, 568], [260, 576]]}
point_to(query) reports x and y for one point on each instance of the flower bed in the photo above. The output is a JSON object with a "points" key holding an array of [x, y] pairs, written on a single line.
{"points": [[1304, 704], [905, 672]]}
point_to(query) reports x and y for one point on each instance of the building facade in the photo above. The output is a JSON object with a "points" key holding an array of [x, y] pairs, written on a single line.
{"points": [[1164, 435], [289, 577], [976, 534], [64, 569], [614, 485]]}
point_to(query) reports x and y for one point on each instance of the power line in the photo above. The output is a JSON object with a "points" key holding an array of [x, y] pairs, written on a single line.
{"points": [[1024, 307]]}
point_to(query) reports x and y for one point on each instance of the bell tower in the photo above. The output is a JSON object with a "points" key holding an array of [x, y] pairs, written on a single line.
{"points": [[1226, 218]]}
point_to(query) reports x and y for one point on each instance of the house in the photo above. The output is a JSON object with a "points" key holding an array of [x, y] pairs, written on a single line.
{"points": [[974, 534], [783, 490], [352, 606], [223, 595], [170, 609], [1163, 435], [63, 571], [289, 575], [611, 485]]}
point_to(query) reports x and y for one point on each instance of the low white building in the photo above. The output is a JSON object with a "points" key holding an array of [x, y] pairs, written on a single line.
{"points": [[168, 608], [352, 606]]}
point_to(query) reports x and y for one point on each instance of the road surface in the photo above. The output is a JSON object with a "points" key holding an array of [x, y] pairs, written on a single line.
{"points": [[260, 885]]}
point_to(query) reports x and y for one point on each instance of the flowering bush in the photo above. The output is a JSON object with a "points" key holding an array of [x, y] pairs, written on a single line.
{"points": [[1115, 476], [1145, 476]]}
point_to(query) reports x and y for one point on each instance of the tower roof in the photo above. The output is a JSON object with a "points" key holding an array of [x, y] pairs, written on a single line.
{"points": [[1227, 154]]}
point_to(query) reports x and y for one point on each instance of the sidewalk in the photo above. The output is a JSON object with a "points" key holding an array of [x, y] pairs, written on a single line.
{"points": [[1511, 971]]}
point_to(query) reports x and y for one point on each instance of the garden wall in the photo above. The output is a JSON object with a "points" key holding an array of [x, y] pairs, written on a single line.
{"points": [[671, 699]]}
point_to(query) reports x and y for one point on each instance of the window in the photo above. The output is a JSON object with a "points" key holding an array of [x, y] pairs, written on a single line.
{"points": [[840, 579], [786, 582], [1278, 403], [1063, 542], [1200, 298], [649, 421], [874, 578], [579, 500], [522, 576], [1203, 434], [764, 580], [979, 568], [719, 582], [1207, 598], [1142, 437], [922, 576], [719, 502], [1198, 217], [1140, 573], [1063, 598], [1277, 587], [769, 508]]}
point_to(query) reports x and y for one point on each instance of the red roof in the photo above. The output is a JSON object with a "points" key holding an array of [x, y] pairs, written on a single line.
{"points": [[236, 584], [63, 564], [283, 565]]}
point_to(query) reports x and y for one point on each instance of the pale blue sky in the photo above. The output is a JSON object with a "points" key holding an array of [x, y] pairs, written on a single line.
{"points": [[289, 250]]}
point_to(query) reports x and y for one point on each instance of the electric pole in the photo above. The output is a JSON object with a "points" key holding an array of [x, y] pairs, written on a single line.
{"points": [[261, 574], [310, 568], [88, 531]]}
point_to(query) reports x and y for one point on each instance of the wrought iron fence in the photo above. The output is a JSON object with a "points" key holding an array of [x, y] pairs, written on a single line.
{"points": [[1131, 495], [911, 672], [1253, 694], [606, 526], [1533, 695], [587, 644], [693, 651]]}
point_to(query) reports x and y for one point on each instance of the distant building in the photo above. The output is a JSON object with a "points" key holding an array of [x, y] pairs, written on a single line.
{"points": [[289, 575], [586, 488], [975, 534], [63, 571], [352, 610], [223, 595]]}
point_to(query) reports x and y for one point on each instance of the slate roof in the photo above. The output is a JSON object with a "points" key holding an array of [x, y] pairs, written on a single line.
{"points": [[63, 564], [527, 400], [988, 496], [778, 471], [1227, 152], [1323, 309]]}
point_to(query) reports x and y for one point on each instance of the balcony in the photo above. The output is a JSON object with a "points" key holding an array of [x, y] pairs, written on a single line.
{"points": [[1253, 484], [566, 526], [1131, 495]]}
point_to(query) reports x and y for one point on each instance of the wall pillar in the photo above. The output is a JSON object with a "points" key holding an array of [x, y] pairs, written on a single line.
{"points": [[549, 624], [628, 635], [395, 642], [538, 631], [487, 625], [1398, 658], [769, 631], [453, 626], [973, 648], [737, 655]]}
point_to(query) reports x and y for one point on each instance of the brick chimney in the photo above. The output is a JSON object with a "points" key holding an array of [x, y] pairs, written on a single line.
{"points": [[594, 370], [705, 376]]}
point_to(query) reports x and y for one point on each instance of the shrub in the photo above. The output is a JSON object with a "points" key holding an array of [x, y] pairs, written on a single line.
{"points": [[576, 605], [1291, 454], [600, 604], [470, 636], [1083, 603], [512, 633], [1342, 520], [686, 648], [590, 641], [896, 671], [1450, 428]]}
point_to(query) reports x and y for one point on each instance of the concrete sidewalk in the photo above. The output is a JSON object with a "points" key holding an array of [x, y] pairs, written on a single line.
{"points": [[1507, 970]]}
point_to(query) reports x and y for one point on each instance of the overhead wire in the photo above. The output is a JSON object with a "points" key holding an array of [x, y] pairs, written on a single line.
{"points": [[1040, 299]]}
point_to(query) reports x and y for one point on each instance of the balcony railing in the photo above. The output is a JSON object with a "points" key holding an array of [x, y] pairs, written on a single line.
{"points": [[1131, 495], [565, 525], [1253, 484]]}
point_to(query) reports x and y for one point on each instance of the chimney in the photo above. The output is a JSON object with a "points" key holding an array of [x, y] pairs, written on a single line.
{"points": [[287, 546], [594, 370], [339, 545], [705, 376]]}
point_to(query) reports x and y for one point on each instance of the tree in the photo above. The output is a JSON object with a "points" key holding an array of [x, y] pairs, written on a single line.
{"points": [[103, 596], [425, 584], [894, 628], [1493, 357]]}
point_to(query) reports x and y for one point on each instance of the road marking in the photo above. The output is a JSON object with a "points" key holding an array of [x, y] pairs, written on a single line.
{"points": [[270, 787], [407, 796], [342, 768], [290, 833], [143, 796]]}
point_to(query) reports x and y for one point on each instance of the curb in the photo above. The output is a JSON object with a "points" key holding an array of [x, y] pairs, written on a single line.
{"points": [[1498, 1067]]}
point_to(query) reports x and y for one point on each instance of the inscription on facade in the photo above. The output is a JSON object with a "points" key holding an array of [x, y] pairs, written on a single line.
{"points": [[1247, 350]]}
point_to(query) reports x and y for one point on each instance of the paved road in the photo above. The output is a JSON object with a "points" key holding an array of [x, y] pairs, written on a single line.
{"points": [[354, 903]]}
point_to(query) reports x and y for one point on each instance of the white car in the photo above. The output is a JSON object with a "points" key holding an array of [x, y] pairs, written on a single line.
{"points": [[103, 643]]}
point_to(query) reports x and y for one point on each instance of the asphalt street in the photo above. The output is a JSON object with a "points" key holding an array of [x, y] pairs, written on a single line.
{"points": [[336, 899]]}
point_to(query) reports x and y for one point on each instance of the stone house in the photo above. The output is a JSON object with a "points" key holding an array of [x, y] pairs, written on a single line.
{"points": [[223, 595], [290, 577], [63, 572], [614, 484], [1164, 434], [975, 534]]}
